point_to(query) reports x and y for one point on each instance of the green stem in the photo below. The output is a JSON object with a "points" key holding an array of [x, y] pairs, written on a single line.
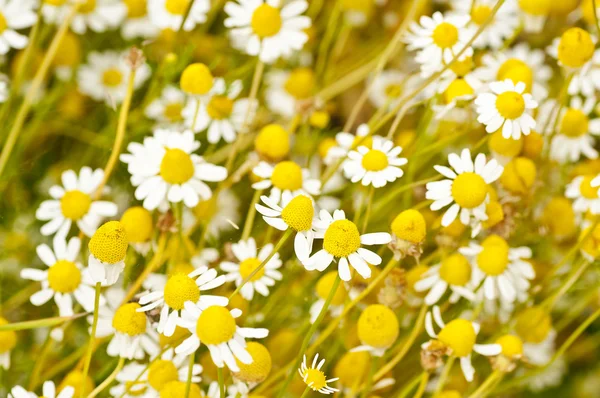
{"points": [[39, 323], [368, 210], [108, 380], [444, 377], [422, 385], [221, 382], [489, 382], [188, 383], [90, 351], [374, 365], [250, 217], [596, 16], [305, 393]]}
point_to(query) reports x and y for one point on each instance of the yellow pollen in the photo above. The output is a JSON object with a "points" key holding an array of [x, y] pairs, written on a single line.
{"points": [[177, 389], [138, 224], [3, 23], [462, 68], [575, 48], [260, 367], [215, 326], [300, 84], [64, 276], [196, 79], [378, 326], [179, 289], [219, 107], [519, 72], [298, 214], [480, 14], [375, 160], [273, 142], [574, 123], [508, 147], [341, 238], [176, 166], [112, 77], [248, 266], [586, 188], [266, 21], [324, 286], [161, 372], [533, 325], [173, 112], [135, 8], [55, 2], [287, 175], [87, 7], [493, 259], [206, 209], [519, 175], [456, 270], [109, 243], [410, 226], [510, 105], [512, 346], [445, 35], [315, 379], [128, 321], [75, 204], [8, 338], [393, 90], [458, 88], [469, 190], [176, 7], [181, 268], [459, 335]]}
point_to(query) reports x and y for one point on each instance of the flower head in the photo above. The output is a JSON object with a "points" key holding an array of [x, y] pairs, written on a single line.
{"points": [[314, 377]]}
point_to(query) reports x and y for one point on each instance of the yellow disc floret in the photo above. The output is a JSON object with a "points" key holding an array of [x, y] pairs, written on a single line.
{"points": [[135, 8], [375, 160], [495, 214], [378, 326], [138, 224], [248, 266], [533, 325], [75, 379], [445, 35], [219, 107], [493, 259], [352, 367], [196, 79], [324, 286], [517, 71], [341, 238], [519, 175], [508, 147], [575, 48], [458, 88], [179, 289], [176, 7], [273, 142], [266, 21], [8, 338], [128, 321], [315, 379], [574, 123], [587, 190], [480, 14], [64, 276], [469, 190], [512, 346], [177, 389], [459, 335], [260, 367], [298, 214], [75, 204], [410, 226], [510, 104], [109, 243], [161, 372], [176, 166], [559, 217], [287, 175], [455, 270], [215, 326], [112, 77], [536, 7], [300, 84]]}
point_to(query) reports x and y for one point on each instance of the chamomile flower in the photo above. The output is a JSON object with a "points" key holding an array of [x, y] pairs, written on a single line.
{"points": [[456, 101], [502, 26], [285, 177], [179, 289], [48, 391], [138, 23], [266, 28], [342, 241], [586, 80], [386, 89], [375, 166], [458, 338], [584, 191], [139, 227], [314, 377], [322, 289], [15, 15], [249, 260], [167, 109], [169, 14], [287, 91], [74, 202], [97, 15], [378, 329], [216, 328], [534, 14], [465, 189], [507, 107], [454, 273], [107, 247], [64, 279], [8, 341], [221, 114], [164, 169], [503, 272], [574, 49], [345, 142]]}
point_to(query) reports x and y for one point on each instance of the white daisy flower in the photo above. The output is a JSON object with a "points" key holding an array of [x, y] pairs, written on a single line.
{"points": [[314, 377], [287, 90], [97, 15], [64, 279], [439, 38], [285, 177], [342, 241], [48, 391], [375, 166], [138, 23], [584, 190], [73, 203], [501, 271], [179, 289], [345, 142], [586, 80], [266, 28], [386, 89], [105, 77], [15, 15], [220, 113], [465, 189], [457, 99], [216, 328], [169, 14], [250, 259], [459, 336], [164, 169], [506, 107], [167, 109]]}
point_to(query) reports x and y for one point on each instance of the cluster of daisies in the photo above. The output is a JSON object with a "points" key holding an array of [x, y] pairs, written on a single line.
{"points": [[288, 198]]}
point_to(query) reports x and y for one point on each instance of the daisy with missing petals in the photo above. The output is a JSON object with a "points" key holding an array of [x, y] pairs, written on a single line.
{"points": [[285, 177], [342, 241], [97, 15], [296, 213], [220, 113], [137, 23], [454, 273], [179, 289], [458, 339], [216, 328], [375, 166], [108, 248], [465, 189], [64, 279], [502, 272], [584, 190], [14, 15], [345, 142], [314, 377], [506, 107], [266, 29], [167, 109], [164, 170], [48, 391], [503, 24], [249, 260], [73, 203], [169, 14]]}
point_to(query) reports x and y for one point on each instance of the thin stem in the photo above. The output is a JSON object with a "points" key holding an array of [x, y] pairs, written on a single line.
{"points": [[305, 393], [422, 385], [40, 360], [596, 16], [90, 350], [250, 217], [415, 381], [221, 382], [108, 380], [370, 378], [489, 382], [39, 323], [443, 377], [368, 210], [188, 383], [552, 300]]}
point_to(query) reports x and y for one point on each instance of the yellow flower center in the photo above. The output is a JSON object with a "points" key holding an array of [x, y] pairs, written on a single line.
{"points": [[324, 286], [248, 266], [586, 188], [301, 83], [177, 389], [112, 77], [173, 111], [161, 372], [393, 90], [178, 336], [128, 321], [575, 48], [480, 14], [536, 7], [3, 24], [215, 326], [64, 276], [445, 35], [510, 104], [135, 8], [574, 123], [378, 326], [287, 176], [206, 209], [493, 259], [138, 224], [456, 270], [75, 204], [55, 2], [512, 346], [8, 339], [462, 68], [469, 190], [87, 7], [298, 214], [505, 146], [519, 175], [179, 289], [375, 160], [458, 88], [533, 325], [109, 243], [176, 166], [341, 238], [177, 7], [410, 226], [273, 141], [181, 268], [517, 71], [315, 379], [260, 367], [196, 79], [459, 335], [219, 107], [266, 21]]}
